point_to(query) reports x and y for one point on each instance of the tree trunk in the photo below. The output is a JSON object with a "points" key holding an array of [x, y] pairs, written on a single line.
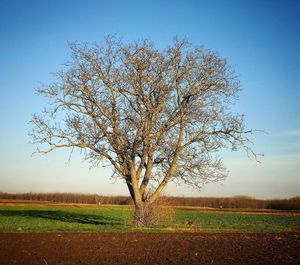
{"points": [[144, 214]]}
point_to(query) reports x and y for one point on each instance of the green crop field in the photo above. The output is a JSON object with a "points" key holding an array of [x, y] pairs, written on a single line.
{"points": [[118, 219]]}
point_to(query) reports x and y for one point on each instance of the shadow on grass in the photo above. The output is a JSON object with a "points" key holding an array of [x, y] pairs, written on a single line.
{"points": [[66, 217]]}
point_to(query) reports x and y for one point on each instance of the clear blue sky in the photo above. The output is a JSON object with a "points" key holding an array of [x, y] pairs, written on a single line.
{"points": [[260, 39]]}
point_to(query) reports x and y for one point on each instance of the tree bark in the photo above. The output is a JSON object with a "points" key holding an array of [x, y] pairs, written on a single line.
{"points": [[144, 214]]}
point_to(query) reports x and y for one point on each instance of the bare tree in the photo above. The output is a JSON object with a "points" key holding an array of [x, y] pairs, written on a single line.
{"points": [[156, 115]]}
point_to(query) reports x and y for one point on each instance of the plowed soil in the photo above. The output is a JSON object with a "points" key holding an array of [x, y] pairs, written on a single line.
{"points": [[149, 248]]}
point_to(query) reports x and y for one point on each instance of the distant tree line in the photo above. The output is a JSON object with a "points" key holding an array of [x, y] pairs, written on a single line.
{"points": [[68, 198], [222, 202], [236, 202]]}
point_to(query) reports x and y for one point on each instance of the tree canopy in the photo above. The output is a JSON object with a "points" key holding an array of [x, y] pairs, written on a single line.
{"points": [[156, 115]]}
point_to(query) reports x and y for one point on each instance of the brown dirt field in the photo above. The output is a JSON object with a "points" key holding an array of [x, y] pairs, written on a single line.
{"points": [[4, 202], [145, 248]]}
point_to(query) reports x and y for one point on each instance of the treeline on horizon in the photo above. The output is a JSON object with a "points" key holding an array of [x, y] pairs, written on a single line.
{"points": [[212, 202]]}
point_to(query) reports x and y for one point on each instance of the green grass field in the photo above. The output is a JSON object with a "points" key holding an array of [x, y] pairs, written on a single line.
{"points": [[118, 219]]}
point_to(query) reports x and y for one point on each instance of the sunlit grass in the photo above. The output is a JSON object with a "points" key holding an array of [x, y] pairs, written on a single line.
{"points": [[118, 219], [237, 222]]}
